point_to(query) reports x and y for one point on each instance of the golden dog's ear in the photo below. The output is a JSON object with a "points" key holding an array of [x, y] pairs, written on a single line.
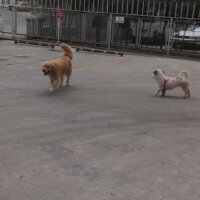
{"points": [[44, 64], [52, 66]]}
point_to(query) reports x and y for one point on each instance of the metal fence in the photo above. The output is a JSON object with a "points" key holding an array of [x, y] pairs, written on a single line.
{"points": [[128, 7], [14, 23], [91, 28], [129, 32], [159, 26]]}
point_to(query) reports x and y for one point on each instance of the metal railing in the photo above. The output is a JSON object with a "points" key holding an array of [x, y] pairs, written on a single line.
{"points": [[126, 7], [96, 26]]}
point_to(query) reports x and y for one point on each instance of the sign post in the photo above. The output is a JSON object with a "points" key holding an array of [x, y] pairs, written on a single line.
{"points": [[59, 15]]}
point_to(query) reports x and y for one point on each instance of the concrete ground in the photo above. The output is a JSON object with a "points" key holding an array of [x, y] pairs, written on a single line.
{"points": [[106, 137]]}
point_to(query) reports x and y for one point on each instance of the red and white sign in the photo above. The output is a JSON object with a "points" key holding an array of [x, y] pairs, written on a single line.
{"points": [[59, 13]]}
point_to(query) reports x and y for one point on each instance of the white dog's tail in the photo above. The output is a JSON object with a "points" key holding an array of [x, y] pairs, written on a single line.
{"points": [[183, 74], [67, 49]]}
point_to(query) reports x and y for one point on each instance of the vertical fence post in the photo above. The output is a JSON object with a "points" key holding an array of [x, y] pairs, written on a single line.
{"points": [[14, 21], [37, 23], [169, 36], [58, 29], [58, 23], [84, 24], [137, 33], [110, 17]]}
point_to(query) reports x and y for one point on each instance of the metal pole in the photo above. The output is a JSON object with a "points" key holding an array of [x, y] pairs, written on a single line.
{"points": [[122, 6], [107, 6], [83, 27], [153, 8], [169, 36], [143, 8], [148, 8], [188, 7], [117, 6], [58, 29], [14, 21], [181, 10], [127, 7], [110, 17], [194, 5], [170, 12], [138, 1], [175, 15], [58, 25], [137, 33], [132, 7], [164, 9]]}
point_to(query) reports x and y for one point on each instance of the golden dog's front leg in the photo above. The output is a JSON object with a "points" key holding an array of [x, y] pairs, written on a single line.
{"points": [[68, 74], [51, 89], [61, 82], [54, 84]]}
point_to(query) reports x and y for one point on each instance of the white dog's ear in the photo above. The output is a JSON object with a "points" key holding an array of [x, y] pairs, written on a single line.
{"points": [[155, 72]]}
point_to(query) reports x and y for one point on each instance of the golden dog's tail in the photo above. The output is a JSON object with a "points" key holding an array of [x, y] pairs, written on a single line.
{"points": [[67, 49]]}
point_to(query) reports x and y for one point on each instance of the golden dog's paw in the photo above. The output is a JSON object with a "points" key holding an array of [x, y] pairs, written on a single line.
{"points": [[51, 89]]}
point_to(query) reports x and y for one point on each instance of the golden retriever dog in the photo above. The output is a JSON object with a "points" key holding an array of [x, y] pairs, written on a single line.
{"points": [[58, 68]]}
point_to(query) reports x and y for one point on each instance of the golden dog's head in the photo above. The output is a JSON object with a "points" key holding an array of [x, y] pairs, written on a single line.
{"points": [[48, 68]]}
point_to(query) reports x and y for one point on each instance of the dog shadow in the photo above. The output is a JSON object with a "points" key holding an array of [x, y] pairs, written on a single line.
{"points": [[171, 97], [58, 92]]}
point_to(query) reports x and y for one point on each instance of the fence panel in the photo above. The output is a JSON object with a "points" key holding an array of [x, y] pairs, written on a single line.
{"points": [[6, 20], [21, 18], [124, 31], [153, 33], [186, 37], [71, 26], [42, 24], [141, 32], [96, 28]]}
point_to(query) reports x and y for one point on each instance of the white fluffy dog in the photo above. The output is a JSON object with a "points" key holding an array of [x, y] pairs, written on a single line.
{"points": [[168, 83]]}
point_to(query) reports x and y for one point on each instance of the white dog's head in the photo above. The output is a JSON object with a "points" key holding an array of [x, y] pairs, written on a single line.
{"points": [[158, 74]]}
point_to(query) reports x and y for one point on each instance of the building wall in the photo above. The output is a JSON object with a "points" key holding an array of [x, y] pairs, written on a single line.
{"points": [[5, 3]]}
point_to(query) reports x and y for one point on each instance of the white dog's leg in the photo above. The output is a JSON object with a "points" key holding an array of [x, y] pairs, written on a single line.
{"points": [[187, 92], [158, 91]]}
